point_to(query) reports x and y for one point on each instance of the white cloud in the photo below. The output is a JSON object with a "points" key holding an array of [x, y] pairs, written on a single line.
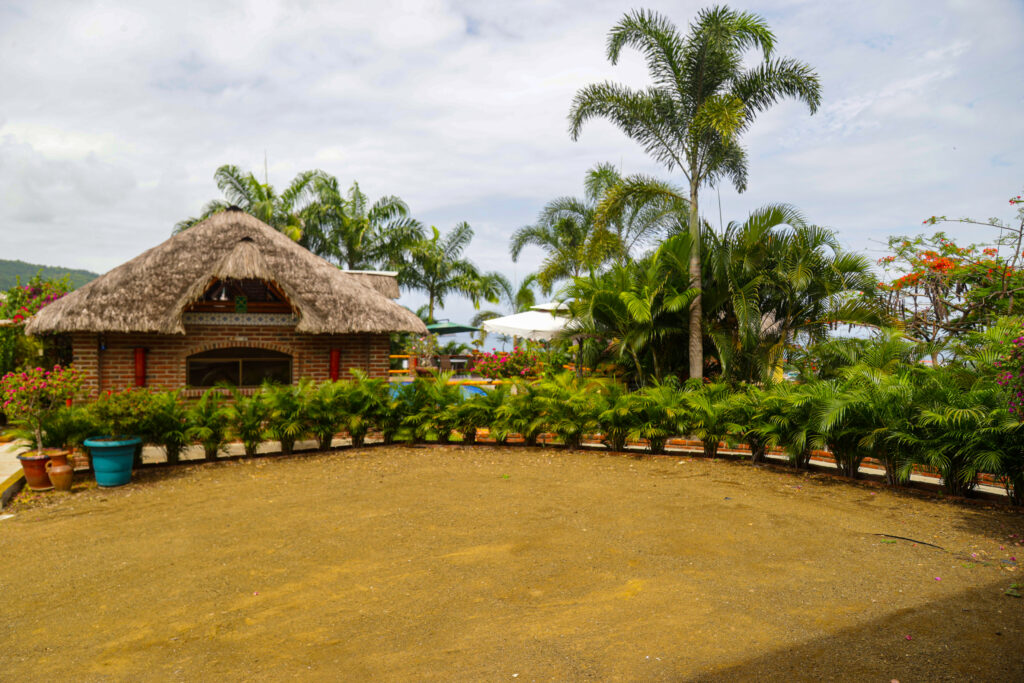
{"points": [[115, 114]]}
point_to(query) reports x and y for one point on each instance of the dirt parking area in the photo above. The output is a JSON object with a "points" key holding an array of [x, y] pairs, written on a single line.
{"points": [[483, 563]]}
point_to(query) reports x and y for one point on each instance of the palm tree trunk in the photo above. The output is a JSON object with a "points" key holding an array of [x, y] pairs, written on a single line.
{"points": [[639, 370], [696, 312], [757, 450], [710, 448]]}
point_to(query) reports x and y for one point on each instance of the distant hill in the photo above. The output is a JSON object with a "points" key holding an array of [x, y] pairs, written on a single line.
{"points": [[10, 271]]}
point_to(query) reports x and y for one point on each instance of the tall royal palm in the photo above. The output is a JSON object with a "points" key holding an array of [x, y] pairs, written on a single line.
{"points": [[244, 190], [702, 99]]}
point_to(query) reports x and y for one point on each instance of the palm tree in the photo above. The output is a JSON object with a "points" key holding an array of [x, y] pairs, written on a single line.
{"points": [[632, 311], [207, 422], [244, 190], [616, 417], [652, 301], [702, 100], [749, 405], [770, 281], [563, 230], [288, 419], [712, 415], [772, 278], [522, 413], [623, 228], [516, 300], [247, 419], [661, 412], [477, 412], [867, 403], [567, 229], [348, 229], [570, 407], [437, 267], [789, 419]]}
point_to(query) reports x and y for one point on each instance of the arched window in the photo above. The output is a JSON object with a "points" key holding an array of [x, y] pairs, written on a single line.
{"points": [[240, 367]]}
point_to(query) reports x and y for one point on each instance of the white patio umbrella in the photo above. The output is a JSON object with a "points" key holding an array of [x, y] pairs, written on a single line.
{"points": [[552, 307], [536, 325]]}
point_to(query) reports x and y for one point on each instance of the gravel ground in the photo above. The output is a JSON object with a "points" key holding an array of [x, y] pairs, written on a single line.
{"points": [[484, 563]]}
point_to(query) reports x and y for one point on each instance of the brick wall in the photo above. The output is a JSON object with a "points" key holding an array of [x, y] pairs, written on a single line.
{"points": [[114, 367]]}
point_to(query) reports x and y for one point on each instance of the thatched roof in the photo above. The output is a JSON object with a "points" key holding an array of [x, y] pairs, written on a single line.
{"points": [[385, 282], [150, 292]]}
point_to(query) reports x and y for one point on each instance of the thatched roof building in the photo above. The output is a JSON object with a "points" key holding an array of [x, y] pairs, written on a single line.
{"points": [[151, 293]]}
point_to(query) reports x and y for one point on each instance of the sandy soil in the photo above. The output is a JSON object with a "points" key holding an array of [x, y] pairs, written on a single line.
{"points": [[504, 564]]}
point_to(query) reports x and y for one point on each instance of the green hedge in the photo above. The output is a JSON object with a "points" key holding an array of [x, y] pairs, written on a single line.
{"points": [[952, 419]]}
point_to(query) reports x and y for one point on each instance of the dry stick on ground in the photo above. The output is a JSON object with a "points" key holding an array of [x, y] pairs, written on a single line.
{"points": [[913, 540]]}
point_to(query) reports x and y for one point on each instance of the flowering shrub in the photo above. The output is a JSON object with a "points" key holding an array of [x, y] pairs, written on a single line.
{"points": [[22, 302], [30, 397], [1011, 377], [504, 364], [25, 301]]}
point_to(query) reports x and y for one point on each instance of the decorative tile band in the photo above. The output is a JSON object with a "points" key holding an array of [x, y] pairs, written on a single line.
{"points": [[269, 319]]}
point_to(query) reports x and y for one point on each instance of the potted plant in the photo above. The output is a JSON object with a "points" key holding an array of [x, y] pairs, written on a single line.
{"points": [[30, 398], [63, 432], [113, 454]]}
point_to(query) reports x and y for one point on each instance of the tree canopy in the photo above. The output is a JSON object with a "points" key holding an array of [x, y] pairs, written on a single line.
{"points": [[702, 98]]}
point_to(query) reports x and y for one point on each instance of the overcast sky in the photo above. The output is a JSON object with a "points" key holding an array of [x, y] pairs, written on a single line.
{"points": [[114, 116]]}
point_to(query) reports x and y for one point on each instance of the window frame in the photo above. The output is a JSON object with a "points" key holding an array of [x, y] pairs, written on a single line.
{"points": [[280, 356]]}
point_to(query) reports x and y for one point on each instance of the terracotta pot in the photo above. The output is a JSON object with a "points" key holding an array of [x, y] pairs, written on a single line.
{"points": [[34, 466], [60, 472]]}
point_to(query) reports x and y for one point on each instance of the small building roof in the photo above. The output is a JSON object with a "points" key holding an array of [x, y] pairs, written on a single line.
{"points": [[150, 292]]}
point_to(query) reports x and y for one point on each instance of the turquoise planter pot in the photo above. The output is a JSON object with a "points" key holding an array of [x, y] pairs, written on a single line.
{"points": [[112, 460]]}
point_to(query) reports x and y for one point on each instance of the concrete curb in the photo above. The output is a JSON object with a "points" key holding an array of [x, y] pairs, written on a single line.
{"points": [[10, 487]]}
